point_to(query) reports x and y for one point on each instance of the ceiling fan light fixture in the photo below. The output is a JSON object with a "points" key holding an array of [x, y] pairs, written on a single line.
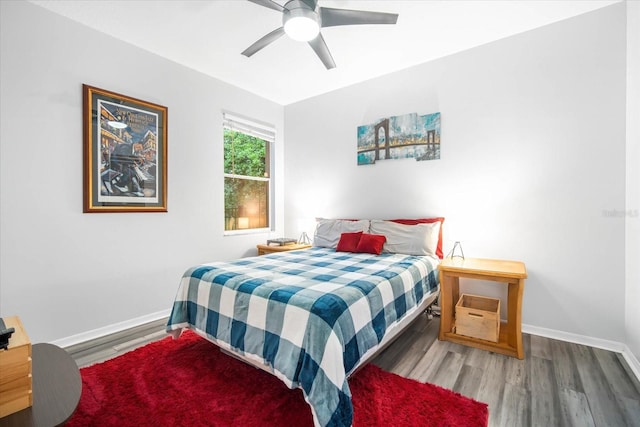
{"points": [[302, 20], [301, 24]]}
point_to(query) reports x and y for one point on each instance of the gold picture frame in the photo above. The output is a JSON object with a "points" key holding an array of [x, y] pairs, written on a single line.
{"points": [[125, 153]]}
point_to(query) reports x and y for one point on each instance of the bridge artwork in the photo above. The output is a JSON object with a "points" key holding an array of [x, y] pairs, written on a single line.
{"points": [[400, 137]]}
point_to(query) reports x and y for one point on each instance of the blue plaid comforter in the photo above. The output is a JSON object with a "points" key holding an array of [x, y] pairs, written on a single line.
{"points": [[310, 315]]}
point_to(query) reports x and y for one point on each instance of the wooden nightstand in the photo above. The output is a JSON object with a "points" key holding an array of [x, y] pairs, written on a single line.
{"points": [[513, 273], [269, 249]]}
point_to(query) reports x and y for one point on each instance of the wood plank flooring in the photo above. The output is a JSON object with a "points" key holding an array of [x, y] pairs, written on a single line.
{"points": [[557, 383], [113, 345]]}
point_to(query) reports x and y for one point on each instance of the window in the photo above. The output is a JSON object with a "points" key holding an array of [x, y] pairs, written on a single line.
{"points": [[247, 173]]}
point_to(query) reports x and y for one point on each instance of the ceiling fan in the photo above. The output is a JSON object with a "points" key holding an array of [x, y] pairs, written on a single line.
{"points": [[302, 20]]}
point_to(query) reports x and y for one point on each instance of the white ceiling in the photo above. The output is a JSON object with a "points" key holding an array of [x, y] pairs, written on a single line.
{"points": [[208, 36]]}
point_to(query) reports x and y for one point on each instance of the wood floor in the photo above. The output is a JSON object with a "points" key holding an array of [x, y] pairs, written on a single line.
{"points": [[557, 384]]}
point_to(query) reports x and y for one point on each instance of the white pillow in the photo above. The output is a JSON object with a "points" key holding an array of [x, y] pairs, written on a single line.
{"points": [[419, 239], [328, 231]]}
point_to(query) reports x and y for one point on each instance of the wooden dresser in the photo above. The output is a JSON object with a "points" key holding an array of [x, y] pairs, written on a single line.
{"points": [[15, 371]]}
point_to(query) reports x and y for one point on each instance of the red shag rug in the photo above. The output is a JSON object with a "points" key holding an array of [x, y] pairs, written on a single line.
{"points": [[189, 382]]}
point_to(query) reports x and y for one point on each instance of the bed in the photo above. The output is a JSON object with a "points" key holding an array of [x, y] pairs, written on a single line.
{"points": [[312, 317]]}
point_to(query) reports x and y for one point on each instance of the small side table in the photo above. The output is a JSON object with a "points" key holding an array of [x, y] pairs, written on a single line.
{"points": [[269, 249], [57, 386], [513, 273]]}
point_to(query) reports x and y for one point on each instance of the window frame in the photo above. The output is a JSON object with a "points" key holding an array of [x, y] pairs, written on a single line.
{"points": [[267, 133]]}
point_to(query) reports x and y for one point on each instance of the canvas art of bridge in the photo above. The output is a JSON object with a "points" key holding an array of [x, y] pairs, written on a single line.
{"points": [[400, 137]]}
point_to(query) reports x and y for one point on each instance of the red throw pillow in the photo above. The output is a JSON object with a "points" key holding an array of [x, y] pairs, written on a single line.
{"points": [[371, 243], [348, 242], [439, 252]]}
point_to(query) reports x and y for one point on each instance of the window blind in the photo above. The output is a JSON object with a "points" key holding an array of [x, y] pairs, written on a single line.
{"points": [[249, 127]]}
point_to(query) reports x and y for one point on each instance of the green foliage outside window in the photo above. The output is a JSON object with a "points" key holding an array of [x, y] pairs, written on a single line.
{"points": [[244, 154], [246, 183]]}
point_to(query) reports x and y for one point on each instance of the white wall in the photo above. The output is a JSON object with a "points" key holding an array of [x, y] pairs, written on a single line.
{"points": [[64, 272], [632, 319], [532, 162]]}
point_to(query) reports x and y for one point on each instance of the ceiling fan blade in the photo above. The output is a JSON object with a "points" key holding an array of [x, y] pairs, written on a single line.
{"points": [[320, 48], [334, 17], [311, 3], [264, 41], [269, 3]]}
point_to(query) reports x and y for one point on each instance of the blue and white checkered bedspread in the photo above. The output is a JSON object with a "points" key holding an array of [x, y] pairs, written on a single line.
{"points": [[310, 315]]}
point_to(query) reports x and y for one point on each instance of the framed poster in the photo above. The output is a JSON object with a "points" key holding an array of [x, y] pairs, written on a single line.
{"points": [[400, 137], [125, 153]]}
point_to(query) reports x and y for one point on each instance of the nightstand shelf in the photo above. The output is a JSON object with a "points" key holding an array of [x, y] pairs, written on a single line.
{"points": [[512, 273], [269, 249]]}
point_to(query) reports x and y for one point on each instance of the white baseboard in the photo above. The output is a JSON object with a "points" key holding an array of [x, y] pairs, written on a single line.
{"points": [[614, 346], [110, 329], [632, 360]]}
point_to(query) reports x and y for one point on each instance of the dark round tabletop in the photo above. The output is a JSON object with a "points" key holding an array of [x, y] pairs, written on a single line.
{"points": [[56, 387]]}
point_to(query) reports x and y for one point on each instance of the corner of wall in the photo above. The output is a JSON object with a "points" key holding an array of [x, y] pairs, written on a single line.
{"points": [[632, 196]]}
